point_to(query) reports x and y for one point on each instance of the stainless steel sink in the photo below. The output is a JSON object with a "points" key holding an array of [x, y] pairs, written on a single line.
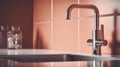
{"points": [[42, 55]]}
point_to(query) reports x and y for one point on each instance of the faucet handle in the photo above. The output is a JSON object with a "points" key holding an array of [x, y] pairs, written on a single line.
{"points": [[98, 42], [101, 41], [102, 35]]}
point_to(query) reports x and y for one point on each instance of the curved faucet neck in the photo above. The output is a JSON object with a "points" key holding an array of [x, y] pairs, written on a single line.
{"points": [[85, 7]]}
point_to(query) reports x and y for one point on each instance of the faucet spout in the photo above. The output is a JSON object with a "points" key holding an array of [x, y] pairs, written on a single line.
{"points": [[95, 37], [96, 11]]}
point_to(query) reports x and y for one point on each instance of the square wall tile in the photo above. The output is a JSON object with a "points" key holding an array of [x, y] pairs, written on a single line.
{"points": [[43, 38], [42, 10], [65, 36]]}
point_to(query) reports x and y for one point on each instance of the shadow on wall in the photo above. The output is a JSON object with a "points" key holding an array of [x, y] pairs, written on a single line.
{"points": [[40, 42], [115, 43]]}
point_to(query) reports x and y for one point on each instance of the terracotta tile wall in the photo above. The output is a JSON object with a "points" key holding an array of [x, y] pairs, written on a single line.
{"points": [[52, 31]]}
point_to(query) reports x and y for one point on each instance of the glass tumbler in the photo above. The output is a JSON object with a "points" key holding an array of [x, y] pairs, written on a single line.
{"points": [[17, 37]]}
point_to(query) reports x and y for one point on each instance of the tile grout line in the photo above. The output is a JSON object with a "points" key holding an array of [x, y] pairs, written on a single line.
{"points": [[51, 46], [51, 24], [78, 27], [78, 64]]}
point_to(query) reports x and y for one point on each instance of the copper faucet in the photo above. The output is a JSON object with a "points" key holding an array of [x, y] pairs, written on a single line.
{"points": [[98, 35], [95, 41]]}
